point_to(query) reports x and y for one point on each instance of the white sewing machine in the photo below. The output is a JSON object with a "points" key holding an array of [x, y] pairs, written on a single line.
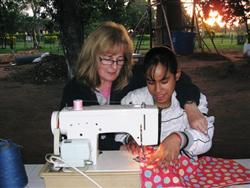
{"points": [[82, 125]]}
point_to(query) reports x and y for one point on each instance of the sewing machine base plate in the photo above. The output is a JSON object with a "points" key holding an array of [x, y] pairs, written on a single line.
{"points": [[114, 169]]}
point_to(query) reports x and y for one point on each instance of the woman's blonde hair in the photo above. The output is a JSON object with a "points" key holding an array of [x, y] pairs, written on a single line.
{"points": [[106, 37]]}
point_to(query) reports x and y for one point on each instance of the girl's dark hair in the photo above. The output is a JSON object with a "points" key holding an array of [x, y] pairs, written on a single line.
{"points": [[163, 55]]}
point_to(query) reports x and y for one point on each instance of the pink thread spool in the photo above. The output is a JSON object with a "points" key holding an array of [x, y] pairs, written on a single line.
{"points": [[77, 104]]}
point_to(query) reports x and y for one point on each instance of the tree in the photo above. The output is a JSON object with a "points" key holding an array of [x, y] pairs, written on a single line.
{"points": [[9, 14], [134, 12], [72, 18], [77, 18], [231, 10], [36, 8], [174, 16], [14, 19]]}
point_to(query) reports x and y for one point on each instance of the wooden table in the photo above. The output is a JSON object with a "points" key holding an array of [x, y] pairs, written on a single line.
{"points": [[118, 171]]}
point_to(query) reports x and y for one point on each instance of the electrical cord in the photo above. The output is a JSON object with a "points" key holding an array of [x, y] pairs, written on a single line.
{"points": [[50, 158]]}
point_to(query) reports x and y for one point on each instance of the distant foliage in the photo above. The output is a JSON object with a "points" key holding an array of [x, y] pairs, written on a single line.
{"points": [[231, 10], [50, 39]]}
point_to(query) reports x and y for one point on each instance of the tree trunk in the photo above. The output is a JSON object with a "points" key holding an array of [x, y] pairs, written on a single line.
{"points": [[248, 30], [174, 16], [71, 27], [34, 32], [34, 36]]}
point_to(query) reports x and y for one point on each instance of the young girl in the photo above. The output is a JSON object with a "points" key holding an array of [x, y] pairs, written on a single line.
{"points": [[175, 163], [176, 136]]}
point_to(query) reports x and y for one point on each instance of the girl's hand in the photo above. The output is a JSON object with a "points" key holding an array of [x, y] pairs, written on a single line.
{"points": [[168, 151], [132, 146], [195, 118]]}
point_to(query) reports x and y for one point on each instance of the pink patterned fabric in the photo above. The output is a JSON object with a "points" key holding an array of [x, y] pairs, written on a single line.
{"points": [[205, 172]]}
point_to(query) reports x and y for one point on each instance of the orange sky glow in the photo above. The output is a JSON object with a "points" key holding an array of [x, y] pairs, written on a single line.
{"points": [[214, 17]]}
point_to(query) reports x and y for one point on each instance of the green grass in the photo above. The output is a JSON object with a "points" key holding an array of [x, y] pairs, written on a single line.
{"points": [[144, 44], [221, 44], [21, 46], [224, 44]]}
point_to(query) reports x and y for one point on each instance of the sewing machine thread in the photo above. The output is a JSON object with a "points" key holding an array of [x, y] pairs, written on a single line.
{"points": [[13, 173], [78, 104]]}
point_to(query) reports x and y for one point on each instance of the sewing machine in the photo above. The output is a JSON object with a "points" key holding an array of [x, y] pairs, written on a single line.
{"points": [[82, 125]]}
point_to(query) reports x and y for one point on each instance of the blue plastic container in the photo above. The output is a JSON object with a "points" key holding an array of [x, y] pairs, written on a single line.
{"points": [[183, 42]]}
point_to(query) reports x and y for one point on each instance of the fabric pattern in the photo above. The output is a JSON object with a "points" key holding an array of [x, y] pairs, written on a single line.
{"points": [[205, 172]]}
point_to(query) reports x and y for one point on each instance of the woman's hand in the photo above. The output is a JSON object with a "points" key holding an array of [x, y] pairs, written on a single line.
{"points": [[168, 151], [195, 118]]}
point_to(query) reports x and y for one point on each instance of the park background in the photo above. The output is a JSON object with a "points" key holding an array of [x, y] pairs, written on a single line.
{"points": [[31, 90]]}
